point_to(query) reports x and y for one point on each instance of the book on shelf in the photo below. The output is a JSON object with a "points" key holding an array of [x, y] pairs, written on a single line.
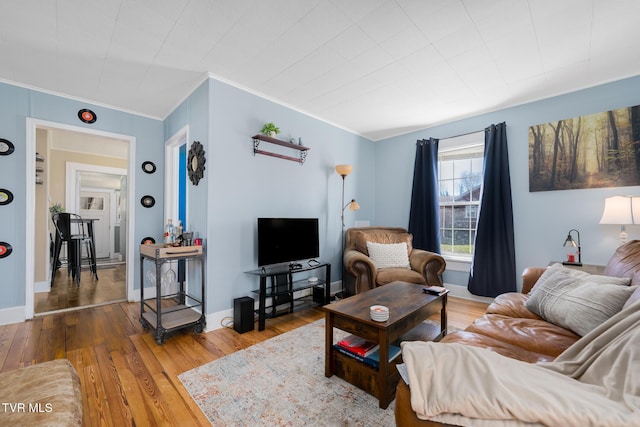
{"points": [[357, 345], [373, 359], [435, 290]]}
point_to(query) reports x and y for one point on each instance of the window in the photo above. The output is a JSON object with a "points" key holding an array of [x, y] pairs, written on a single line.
{"points": [[460, 163], [92, 203]]}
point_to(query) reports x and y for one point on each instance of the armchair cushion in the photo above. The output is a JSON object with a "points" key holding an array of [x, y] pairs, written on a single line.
{"points": [[388, 275], [389, 255]]}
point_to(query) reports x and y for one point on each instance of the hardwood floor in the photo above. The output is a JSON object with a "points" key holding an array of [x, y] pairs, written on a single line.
{"points": [[127, 379], [65, 292]]}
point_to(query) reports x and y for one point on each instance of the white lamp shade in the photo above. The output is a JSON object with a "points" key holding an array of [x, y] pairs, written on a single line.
{"points": [[621, 210]]}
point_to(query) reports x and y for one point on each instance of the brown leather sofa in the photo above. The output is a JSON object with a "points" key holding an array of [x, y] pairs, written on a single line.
{"points": [[362, 274], [510, 329]]}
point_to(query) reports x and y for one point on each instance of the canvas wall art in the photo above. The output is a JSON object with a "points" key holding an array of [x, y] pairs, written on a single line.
{"points": [[593, 151]]}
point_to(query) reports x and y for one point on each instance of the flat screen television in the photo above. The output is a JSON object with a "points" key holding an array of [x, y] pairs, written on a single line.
{"points": [[283, 240]]}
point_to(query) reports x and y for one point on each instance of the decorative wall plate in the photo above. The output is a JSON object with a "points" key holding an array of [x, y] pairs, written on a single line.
{"points": [[87, 116], [148, 241], [6, 196], [149, 167], [5, 249], [6, 147], [195, 162], [148, 201]]}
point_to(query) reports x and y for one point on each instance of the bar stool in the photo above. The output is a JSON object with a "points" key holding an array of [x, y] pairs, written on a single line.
{"points": [[70, 229]]}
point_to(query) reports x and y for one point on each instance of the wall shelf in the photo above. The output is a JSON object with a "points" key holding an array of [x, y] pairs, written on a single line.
{"points": [[301, 148]]}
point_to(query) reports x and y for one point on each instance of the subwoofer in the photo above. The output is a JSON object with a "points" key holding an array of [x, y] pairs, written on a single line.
{"points": [[243, 314]]}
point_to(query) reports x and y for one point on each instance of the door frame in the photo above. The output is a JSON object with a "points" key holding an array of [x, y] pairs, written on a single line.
{"points": [[31, 125], [72, 191], [172, 157]]}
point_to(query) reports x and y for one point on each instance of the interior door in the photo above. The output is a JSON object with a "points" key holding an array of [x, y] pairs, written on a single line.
{"points": [[96, 205]]}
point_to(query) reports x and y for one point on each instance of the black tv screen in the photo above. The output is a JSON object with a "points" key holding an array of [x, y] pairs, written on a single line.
{"points": [[287, 239]]}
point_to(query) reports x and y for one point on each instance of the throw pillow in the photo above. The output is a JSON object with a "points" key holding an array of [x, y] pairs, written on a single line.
{"points": [[558, 298], [585, 307], [389, 255]]}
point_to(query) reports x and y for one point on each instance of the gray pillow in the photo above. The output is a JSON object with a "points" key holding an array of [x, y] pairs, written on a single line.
{"points": [[577, 300], [588, 305]]}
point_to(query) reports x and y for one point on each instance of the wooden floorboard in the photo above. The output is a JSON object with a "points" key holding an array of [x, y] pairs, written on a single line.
{"points": [[127, 378]]}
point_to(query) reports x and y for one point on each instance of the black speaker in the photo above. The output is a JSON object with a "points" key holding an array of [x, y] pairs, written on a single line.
{"points": [[318, 295], [243, 314]]}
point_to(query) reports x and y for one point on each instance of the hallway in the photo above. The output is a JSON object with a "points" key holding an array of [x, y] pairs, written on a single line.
{"points": [[65, 293]]}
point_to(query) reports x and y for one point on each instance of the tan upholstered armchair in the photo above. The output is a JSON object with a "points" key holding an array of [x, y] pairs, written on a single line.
{"points": [[362, 273]]}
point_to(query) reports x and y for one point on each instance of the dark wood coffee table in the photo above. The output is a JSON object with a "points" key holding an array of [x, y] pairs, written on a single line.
{"points": [[408, 306]]}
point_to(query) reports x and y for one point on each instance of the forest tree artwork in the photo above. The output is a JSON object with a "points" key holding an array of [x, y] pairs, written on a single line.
{"points": [[594, 151]]}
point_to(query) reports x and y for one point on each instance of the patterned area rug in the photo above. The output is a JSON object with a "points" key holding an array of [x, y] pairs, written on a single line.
{"points": [[281, 382]]}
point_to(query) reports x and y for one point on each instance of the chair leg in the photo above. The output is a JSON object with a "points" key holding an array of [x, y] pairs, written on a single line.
{"points": [[55, 261], [77, 261], [91, 256], [94, 263]]}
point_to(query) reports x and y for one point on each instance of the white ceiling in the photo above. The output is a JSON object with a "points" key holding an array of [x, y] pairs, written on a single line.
{"points": [[375, 67]]}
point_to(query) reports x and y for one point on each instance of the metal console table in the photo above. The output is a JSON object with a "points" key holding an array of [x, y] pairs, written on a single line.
{"points": [[171, 312]]}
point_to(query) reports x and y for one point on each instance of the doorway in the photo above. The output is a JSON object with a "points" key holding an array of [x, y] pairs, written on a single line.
{"points": [[106, 157]]}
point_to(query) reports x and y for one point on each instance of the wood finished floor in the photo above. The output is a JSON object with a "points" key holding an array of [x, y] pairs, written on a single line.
{"points": [[65, 292], [129, 380]]}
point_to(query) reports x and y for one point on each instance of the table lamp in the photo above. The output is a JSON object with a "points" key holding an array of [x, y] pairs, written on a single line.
{"points": [[621, 210], [570, 242]]}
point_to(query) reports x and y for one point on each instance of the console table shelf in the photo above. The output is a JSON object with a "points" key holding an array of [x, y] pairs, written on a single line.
{"points": [[283, 286], [301, 148]]}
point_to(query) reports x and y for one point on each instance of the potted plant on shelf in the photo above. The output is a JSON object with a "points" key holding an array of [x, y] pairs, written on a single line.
{"points": [[270, 129], [56, 208]]}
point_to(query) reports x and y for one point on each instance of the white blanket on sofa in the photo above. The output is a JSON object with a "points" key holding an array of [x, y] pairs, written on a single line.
{"points": [[595, 382]]}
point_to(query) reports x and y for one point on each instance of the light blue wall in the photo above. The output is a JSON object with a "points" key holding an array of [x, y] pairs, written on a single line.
{"points": [[238, 187], [16, 105], [241, 187], [541, 219]]}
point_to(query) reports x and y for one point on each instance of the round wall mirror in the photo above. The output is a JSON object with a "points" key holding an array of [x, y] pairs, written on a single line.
{"points": [[196, 162]]}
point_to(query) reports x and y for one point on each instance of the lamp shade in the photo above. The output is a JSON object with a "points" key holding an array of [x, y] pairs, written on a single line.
{"points": [[621, 210], [354, 206], [344, 170]]}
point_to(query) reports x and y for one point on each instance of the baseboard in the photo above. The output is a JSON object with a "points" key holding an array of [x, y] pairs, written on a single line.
{"points": [[12, 315], [41, 287], [460, 291]]}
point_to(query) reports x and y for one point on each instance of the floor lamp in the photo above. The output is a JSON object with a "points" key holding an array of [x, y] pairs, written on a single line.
{"points": [[343, 171]]}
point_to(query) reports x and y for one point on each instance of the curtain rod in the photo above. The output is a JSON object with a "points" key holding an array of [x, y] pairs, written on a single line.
{"points": [[465, 134]]}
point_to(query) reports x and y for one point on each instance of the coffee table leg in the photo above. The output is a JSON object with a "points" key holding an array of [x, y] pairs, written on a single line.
{"points": [[328, 360], [383, 370]]}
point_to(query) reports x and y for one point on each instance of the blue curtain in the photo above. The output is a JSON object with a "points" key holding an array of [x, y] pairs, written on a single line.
{"points": [[424, 221], [493, 270]]}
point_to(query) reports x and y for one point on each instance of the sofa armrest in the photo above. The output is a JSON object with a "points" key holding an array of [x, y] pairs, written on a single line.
{"points": [[361, 268], [530, 276], [430, 264]]}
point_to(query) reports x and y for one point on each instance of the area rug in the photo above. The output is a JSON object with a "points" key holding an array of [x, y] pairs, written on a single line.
{"points": [[281, 382]]}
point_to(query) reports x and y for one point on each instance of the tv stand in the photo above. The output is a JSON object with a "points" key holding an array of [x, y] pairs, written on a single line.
{"points": [[295, 266], [283, 285]]}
